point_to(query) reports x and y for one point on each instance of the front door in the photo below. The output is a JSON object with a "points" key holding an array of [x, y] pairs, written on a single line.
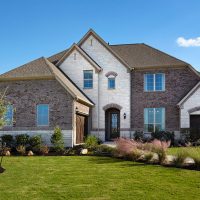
{"points": [[112, 124], [195, 127]]}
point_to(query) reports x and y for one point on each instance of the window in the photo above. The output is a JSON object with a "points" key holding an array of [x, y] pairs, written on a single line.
{"points": [[43, 115], [154, 82], [88, 79], [9, 116], [154, 119], [111, 83]]}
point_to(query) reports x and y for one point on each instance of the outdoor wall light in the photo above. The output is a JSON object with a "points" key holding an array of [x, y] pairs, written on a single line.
{"points": [[124, 115]]}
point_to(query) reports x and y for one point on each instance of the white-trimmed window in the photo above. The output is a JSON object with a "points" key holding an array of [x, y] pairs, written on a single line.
{"points": [[154, 82], [111, 82], [154, 119], [42, 115], [8, 117], [88, 79]]}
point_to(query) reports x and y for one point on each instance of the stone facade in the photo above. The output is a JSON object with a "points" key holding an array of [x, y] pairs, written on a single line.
{"points": [[178, 82]]}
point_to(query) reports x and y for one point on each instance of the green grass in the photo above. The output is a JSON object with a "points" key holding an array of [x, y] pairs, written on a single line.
{"points": [[91, 178], [190, 150]]}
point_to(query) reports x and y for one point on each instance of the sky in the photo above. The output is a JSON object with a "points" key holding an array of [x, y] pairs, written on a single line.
{"points": [[30, 29]]}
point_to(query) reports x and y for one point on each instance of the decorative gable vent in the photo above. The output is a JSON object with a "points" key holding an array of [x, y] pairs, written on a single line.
{"points": [[74, 56]]}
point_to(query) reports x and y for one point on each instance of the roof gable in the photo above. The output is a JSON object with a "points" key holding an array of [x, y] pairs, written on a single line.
{"points": [[190, 93], [87, 57], [96, 36]]}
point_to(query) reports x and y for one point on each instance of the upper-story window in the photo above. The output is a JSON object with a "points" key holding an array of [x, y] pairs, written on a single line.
{"points": [[154, 82], [111, 83], [42, 115], [8, 117], [88, 79]]}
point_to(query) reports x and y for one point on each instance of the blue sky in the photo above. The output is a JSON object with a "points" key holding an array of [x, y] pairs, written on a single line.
{"points": [[35, 28]]}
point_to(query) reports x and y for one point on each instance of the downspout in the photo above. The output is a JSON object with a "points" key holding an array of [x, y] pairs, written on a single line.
{"points": [[131, 98], [98, 108]]}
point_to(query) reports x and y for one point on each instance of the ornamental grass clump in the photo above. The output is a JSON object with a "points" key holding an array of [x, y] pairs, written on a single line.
{"points": [[160, 148], [194, 154], [180, 157]]}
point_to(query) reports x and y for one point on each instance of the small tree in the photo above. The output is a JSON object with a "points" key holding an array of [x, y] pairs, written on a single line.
{"points": [[57, 140]]}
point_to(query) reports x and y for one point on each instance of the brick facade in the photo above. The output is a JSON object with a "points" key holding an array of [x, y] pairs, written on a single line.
{"points": [[25, 95], [178, 83]]}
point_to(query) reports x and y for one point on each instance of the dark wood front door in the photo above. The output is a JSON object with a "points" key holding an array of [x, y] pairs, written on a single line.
{"points": [[112, 125], [81, 128], [195, 121]]}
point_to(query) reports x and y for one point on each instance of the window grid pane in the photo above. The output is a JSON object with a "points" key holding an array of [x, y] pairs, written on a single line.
{"points": [[43, 115], [88, 79]]}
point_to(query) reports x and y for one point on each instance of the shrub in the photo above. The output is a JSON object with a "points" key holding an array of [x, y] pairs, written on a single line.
{"points": [[57, 140], [22, 139], [104, 150], [35, 143], [163, 136], [44, 149], [91, 142], [21, 149], [138, 136], [180, 158], [8, 140]]}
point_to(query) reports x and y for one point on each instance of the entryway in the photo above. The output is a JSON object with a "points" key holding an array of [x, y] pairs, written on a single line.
{"points": [[81, 128], [112, 124], [195, 121]]}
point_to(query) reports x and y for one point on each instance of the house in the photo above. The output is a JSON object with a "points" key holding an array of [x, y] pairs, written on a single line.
{"points": [[106, 90]]}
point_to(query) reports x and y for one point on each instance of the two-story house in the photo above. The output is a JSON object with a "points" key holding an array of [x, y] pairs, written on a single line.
{"points": [[106, 90]]}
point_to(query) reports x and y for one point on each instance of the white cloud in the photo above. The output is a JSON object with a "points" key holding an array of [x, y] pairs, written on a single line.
{"points": [[192, 42]]}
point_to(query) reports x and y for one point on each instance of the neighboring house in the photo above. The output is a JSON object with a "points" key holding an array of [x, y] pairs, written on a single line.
{"points": [[101, 89]]}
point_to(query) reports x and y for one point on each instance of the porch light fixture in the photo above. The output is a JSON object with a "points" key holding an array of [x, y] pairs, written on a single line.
{"points": [[124, 115]]}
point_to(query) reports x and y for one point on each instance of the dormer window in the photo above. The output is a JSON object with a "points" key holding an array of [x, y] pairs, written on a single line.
{"points": [[111, 79]]}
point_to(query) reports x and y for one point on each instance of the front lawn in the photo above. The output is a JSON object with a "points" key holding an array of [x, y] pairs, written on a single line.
{"points": [[94, 178]]}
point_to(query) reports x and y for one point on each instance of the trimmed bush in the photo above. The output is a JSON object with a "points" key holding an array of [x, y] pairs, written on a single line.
{"points": [[91, 142], [8, 140], [57, 140], [138, 136], [22, 139], [35, 143], [163, 136]]}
